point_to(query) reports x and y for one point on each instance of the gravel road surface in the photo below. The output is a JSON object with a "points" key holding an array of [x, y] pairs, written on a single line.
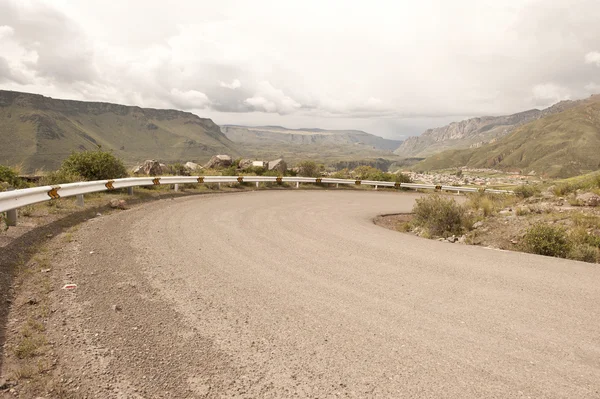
{"points": [[283, 294]]}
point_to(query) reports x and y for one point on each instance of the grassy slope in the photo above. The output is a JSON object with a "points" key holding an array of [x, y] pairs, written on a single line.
{"points": [[38, 132], [560, 145]]}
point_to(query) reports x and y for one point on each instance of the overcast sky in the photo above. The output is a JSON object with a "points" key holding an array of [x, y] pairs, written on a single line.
{"points": [[393, 68]]}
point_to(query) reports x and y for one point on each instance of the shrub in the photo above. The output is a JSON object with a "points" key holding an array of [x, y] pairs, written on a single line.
{"points": [[230, 171], [521, 211], [563, 189], [93, 165], [342, 174], [178, 169], [573, 201], [402, 178], [10, 178], [488, 204], [581, 236], [309, 169], [588, 182], [366, 172], [526, 191], [255, 170], [583, 220], [272, 173], [547, 240], [439, 216], [584, 253], [59, 177]]}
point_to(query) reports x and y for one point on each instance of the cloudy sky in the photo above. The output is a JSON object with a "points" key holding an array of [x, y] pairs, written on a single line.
{"points": [[392, 68]]}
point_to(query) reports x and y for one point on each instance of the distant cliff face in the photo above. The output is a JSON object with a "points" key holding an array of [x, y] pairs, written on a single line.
{"points": [[472, 132], [562, 142], [329, 146], [276, 135], [38, 131]]}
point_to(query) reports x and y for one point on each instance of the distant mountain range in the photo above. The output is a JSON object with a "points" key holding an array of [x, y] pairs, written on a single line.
{"points": [[562, 141], [472, 133], [320, 144], [38, 132]]}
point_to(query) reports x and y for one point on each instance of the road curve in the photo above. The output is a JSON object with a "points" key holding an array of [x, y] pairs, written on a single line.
{"points": [[298, 294]]}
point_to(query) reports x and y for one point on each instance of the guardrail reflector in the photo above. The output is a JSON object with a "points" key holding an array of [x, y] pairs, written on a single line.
{"points": [[156, 181], [318, 181], [357, 182], [240, 179], [109, 185], [481, 190], [53, 193], [279, 179], [438, 188], [201, 179], [397, 185]]}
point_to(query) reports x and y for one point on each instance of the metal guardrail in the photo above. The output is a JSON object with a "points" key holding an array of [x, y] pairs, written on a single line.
{"points": [[10, 200]]}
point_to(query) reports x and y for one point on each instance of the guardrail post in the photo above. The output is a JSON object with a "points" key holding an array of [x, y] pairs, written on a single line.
{"points": [[176, 187], [219, 185], [297, 184], [11, 217], [256, 184], [129, 190], [80, 202], [376, 187], [337, 185]]}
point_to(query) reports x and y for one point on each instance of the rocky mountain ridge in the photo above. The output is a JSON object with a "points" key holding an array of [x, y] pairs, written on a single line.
{"points": [[473, 132], [562, 142]]}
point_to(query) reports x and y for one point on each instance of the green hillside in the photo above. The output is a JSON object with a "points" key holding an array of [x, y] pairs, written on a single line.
{"points": [[38, 132], [560, 145]]}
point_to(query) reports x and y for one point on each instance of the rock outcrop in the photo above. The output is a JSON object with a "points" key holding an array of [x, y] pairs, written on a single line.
{"points": [[117, 204], [219, 161], [245, 164], [279, 165], [149, 168], [588, 199], [192, 166]]}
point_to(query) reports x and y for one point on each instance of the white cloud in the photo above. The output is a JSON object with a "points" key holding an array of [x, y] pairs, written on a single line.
{"points": [[189, 99], [351, 61], [270, 99], [593, 58], [6, 31], [593, 87], [549, 93], [235, 84]]}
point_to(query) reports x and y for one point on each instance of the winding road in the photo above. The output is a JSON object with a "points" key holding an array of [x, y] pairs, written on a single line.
{"points": [[286, 294]]}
